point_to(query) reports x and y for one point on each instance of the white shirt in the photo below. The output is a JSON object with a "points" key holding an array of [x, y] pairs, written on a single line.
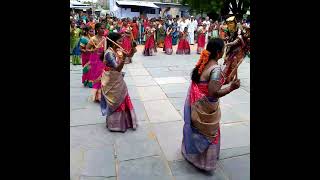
{"points": [[183, 25], [207, 23], [192, 26]]}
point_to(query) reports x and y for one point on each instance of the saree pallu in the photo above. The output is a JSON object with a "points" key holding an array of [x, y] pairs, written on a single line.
{"points": [[201, 42], [149, 46], [116, 103], [168, 45], [85, 70], [200, 150], [127, 45], [161, 34], [96, 67], [183, 47], [175, 38], [135, 31], [85, 62], [76, 52]]}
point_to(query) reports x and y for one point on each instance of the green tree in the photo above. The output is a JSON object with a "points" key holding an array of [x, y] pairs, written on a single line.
{"points": [[208, 6], [218, 7]]}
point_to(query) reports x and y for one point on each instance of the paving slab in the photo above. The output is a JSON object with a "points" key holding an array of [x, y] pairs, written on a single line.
{"points": [[183, 170], [169, 136], [170, 80], [237, 168], [234, 135], [151, 93], [147, 168], [99, 162], [156, 109]]}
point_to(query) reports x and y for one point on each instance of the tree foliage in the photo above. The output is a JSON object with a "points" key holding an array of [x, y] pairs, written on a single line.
{"points": [[220, 7]]}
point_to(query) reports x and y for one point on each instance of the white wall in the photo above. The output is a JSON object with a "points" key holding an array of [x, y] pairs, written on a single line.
{"points": [[127, 13], [152, 15], [156, 15]]}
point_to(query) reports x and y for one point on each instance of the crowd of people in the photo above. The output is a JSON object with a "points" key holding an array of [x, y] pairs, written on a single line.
{"points": [[159, 32], [103, 46]]}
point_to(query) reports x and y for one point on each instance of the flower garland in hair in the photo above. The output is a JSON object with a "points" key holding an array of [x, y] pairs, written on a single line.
{"points": [[203, 60]]}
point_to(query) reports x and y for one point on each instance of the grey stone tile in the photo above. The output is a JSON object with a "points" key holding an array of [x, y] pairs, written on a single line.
{"points": [[127, 150], [134, 65], [129, 80], [133, 92], [181, 68], [157, 69], [227, 100], [237, 168], [233, 152], [75, 67], [99, 162], [75, 76], [144, 169], [142, 133], [97, 178], [76, 162], [178, 103], [77, 102], [156, 109], [228, 115], [158, 74], [240, 96], [86, 116], [138, 72], [90, 136], [234, 135], [151, 63], [169, 136], [243, 110], [183, 170], [76, 84], [151, 93], [175, 90], [84, 92], [140, 110], [143, 81], [170, 80]]}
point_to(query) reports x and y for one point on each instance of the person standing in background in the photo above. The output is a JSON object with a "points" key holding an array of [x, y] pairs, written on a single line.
{"points": [[192, 27], [207, 25]]}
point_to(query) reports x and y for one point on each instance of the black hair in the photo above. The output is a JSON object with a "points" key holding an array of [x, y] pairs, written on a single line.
{"points": [[214, 46], [97, 26], [114, 37], [85, 30]]}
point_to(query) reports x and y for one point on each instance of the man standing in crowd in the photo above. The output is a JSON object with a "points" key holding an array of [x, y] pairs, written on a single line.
{"points": [[207, 24], [192, 27]]}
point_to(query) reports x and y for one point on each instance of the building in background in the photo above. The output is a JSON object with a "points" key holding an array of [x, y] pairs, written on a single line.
{"points": [[150, 9]]}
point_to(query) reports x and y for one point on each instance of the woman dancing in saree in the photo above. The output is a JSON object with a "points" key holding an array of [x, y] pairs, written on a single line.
{"points": [[161, 34], [126, 31], [175, 32], [201, 131], [201, 38], [85, 55], [235, 49], [183, 46], [168, 42], [149, 45], [115, 100], [75, 43], [96, 47]]}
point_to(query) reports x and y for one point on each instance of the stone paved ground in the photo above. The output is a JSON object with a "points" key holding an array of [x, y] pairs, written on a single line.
{"points": [[157, 86]]}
